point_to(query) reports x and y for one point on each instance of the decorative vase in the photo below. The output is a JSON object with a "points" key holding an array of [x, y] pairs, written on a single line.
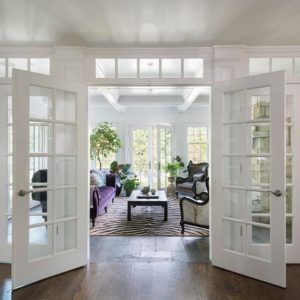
{"points": [[128, 193], [171, 189]]}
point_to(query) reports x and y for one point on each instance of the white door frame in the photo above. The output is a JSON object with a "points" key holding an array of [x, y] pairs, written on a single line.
{"points": [[273, 271]]}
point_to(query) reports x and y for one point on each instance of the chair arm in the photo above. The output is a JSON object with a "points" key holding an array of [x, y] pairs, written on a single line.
{"points": [[191, 200], [181, 180]]}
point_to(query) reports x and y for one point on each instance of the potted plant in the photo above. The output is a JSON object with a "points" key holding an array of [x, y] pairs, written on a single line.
{"points": [[172, 168], [130, 183], [104, 140]]}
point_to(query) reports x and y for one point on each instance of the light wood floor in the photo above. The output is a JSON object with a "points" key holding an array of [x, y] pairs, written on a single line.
{"points": [[144, 268]]}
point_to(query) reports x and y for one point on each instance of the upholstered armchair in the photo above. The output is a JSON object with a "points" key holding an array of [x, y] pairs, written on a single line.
{"points": [[195, 212], [192, 185]]}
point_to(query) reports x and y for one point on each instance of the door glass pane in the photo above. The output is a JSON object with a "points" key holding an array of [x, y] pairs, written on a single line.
{"points": [[9, 229], [165, 153], [258, 103], [193, 67], [149, 68], [289, 200], [2, 68], [40, 207], [66, 237], [65, 203], [155, 164], [234, 203], [289, 230], [40, 137], [9, 108], [289, 169], [65, 139], [297, 67], [289, 139], [233, 171], [9, 139], [171, 68], [140, 154], [259, 65], [289, 109], [66, 171], [233, 106], [40, 241], [127, 68], [232, 139], [9, 161], [65, 106], [260, 139], [285, 63], [260, 171], [17, 63], [233, 239], [259, 201], [105, 68], [40, 172], [40, 65], [41, 103]]}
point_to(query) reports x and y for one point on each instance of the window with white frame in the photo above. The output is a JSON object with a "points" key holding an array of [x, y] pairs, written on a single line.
{"points": [[197, 144]]}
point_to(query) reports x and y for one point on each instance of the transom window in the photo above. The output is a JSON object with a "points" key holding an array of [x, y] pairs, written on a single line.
{"points": [[197, 144]]}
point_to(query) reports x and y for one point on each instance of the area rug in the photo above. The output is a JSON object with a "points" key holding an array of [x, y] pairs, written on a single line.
{"points": [[145, 221]]}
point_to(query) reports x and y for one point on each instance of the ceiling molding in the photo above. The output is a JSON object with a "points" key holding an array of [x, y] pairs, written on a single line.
{"points": [[191, 95]]}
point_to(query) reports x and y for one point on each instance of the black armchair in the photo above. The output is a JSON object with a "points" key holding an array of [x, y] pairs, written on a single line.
{"points": [[193, 185]]}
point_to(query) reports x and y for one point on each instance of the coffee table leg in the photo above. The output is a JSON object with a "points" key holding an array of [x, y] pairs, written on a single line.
{"points": [[166, 212], [129, 212]]}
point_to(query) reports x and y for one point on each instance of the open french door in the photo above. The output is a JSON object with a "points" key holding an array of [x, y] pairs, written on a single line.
{"points": [[248, 177], [50, 177]]}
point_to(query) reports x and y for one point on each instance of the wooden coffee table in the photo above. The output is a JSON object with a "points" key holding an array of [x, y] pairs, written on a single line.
{"points": [[134, 201]]}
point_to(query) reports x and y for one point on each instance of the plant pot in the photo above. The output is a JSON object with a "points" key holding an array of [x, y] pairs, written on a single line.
{"points": [[171, 189], [128, 193]]}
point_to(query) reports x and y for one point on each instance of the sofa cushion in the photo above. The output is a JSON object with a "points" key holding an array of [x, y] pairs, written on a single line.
{"points": [[98, 178]]}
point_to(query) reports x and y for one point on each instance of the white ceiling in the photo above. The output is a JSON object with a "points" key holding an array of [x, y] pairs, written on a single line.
{"points": [[149, 22]]}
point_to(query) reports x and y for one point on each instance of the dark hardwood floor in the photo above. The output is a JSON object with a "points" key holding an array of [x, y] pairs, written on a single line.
{"points": [[145, 268]]}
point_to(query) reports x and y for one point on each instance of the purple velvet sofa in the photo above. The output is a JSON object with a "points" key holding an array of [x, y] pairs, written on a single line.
{"points": [[101, 197]]}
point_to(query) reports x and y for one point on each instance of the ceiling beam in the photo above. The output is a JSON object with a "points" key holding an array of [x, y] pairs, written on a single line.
{"points": [[112, 96], [190, 95]]}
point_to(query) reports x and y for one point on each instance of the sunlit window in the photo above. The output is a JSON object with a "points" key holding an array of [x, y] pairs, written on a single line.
{"points": [[259, 65], [40, 65], [127, 68], [2, 68], [149, 68], [171, 68], [17, 63], [193, 67], [105, 68], [197, 144]]}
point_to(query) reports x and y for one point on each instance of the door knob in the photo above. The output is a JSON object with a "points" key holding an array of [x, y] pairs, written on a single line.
{"points": [[23, 193], [277, 193]]}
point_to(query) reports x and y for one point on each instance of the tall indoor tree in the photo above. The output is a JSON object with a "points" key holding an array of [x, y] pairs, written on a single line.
{"points": [[104, 140]]}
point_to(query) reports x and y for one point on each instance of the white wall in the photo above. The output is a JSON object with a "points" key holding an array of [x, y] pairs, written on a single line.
{"points": [[150, 115]]}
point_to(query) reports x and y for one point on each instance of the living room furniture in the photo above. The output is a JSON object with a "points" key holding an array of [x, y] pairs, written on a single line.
{"points": [[195, 212], [192, 185], [134, 201], [102, 197]]}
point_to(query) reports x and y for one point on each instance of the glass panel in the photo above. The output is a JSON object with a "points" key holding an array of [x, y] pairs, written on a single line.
{"points": [[289, 169], [234, 203], [165, 153], [233, 239], [127, 68], [289, 230], [171, 68], [2, 68], [65, 203], [259, 201], [193, 67], [149, 68], [40, 137], [40, 207], [289, 108], [40, 65], [232, 171], [40, 242], [9, 229], [259, 65], [285, 64], [9, 139], [233, 106], [289, 200], [260, 171], [66, 171], [41, 103], [155, 158], [17, 63], [9, 108], [289, 139], [260, 139], [259, 104], [105, 68], [9, 169], [260, 235], [297, 67], [65, 106], [66, 140], [233, 135], [41, 172], [66, 238], [8, 196]]}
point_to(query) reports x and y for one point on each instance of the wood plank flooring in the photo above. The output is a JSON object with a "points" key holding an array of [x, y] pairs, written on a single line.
{"points": [[144, 268]]}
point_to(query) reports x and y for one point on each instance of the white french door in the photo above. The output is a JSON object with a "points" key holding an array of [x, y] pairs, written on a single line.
{"points": [[248, 177], [151, 148], [50, 177]]}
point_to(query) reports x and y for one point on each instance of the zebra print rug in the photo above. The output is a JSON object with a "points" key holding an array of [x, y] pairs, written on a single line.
{"points": [[146, 221]]}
